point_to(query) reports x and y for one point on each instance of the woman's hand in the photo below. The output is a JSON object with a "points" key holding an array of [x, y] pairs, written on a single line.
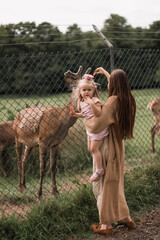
{"points": [[101, 70]]}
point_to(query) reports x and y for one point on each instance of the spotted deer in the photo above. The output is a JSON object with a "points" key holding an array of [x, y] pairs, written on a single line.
{"points": [[46, 128], [154, 107], [7, 138]]}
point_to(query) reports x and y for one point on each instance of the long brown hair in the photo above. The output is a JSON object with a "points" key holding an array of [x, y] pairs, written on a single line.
{"points": [[119, 86]]}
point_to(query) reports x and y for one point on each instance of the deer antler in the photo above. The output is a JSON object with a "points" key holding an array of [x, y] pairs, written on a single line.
{"points": [[70, 76], [76, 75], [88, 71]]}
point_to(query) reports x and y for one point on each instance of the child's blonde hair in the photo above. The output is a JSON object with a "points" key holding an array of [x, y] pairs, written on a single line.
{"points": [[87, 79]]}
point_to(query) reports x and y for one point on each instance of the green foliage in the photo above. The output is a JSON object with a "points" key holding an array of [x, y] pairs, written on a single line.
{"points": [[154, 34], [56, 219], [41, 74], [123, 35], [10, 115], [72, 216], [142, 186], [157, 74], [28, 37], [117, 24], [9, 228]]}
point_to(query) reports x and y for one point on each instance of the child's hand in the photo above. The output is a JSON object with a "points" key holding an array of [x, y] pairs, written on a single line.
{"points": [[71, 108], [88, 100], [72, 112]]}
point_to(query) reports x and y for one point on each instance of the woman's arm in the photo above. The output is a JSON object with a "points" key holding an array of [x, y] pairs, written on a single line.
{"points": [[101, 70], [96, 109], [107, 117]]}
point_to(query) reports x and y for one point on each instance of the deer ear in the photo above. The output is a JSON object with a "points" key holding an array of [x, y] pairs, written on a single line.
{"points": [[69, 81]]}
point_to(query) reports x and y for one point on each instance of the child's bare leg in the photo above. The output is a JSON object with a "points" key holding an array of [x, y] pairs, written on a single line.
{"points": [[89, 145], [95, 151]]}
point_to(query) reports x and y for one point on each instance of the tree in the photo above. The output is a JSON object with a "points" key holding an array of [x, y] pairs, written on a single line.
{"points": [[154, 33], [119, 32]]}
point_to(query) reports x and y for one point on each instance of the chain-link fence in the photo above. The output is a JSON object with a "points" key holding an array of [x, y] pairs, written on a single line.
{"points": [[35, 102]]}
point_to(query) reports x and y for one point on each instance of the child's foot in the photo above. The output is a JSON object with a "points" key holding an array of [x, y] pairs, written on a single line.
{"points": [[97, 175]]}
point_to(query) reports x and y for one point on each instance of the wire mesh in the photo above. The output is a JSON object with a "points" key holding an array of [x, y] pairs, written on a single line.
{"points": [[36, 99]]}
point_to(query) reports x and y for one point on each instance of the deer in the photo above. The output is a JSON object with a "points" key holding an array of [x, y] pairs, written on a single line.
{"points": [[44, 127], [7, 138], [154, 107]]}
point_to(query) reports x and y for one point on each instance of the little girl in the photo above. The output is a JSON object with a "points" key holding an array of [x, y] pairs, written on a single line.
{"points": [[90, 105]]}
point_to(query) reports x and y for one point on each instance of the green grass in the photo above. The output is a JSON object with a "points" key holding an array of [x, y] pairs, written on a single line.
{"points": [[73, 155], [142, 186], [72, 216], [140, 145], [67, 183], [46, 219], [11, 105]]}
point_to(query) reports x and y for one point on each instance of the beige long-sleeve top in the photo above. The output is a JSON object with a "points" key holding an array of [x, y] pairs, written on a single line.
{"points": [[113, 206]]}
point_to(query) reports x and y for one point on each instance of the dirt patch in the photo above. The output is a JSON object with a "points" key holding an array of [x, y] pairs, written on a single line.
{"points": [[148, 228], [9, 209]]}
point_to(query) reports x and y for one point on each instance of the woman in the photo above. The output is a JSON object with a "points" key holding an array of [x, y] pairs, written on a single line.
{"points": [[118, 114]]}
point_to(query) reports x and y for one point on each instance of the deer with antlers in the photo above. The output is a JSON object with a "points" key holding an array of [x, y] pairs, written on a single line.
{"points": [[154, 107], [45, 127]]}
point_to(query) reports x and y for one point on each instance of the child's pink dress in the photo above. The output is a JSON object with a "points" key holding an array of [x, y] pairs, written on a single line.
{"points": [[87, 113]]}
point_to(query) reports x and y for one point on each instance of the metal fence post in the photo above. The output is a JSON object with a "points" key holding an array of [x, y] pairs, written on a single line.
{"points": [[107, 42]]}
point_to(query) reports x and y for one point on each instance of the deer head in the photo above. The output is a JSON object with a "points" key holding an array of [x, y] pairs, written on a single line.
{"points": [[72, 78]]}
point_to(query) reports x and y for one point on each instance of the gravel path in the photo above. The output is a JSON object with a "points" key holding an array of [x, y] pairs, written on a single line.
{"points": [[148, 228]]}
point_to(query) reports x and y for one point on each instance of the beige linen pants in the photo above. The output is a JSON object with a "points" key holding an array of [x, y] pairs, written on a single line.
{"points": [[98, 185]]}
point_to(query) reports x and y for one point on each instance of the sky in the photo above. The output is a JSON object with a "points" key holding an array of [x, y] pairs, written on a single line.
{"points": [[85, 13]]}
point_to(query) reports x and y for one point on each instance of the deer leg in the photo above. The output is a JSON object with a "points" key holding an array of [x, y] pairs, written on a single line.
{"points": [[153, 131], [19, 163], [27, 152], [1, 165], [53, 164], [42, 155]]}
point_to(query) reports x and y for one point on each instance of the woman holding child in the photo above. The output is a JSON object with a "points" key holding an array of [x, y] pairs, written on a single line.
{"points": [[118, 115]]}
